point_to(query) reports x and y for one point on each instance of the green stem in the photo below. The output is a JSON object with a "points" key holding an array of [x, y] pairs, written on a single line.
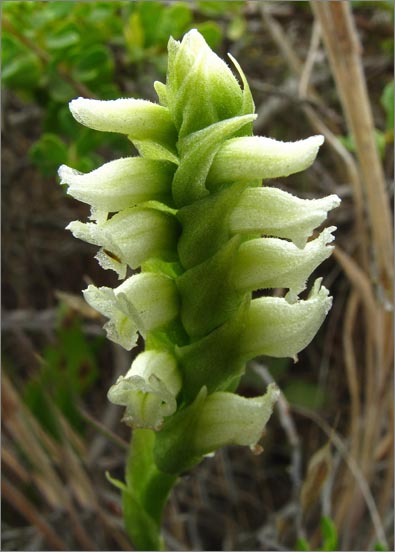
{"points": [[145, 493]]}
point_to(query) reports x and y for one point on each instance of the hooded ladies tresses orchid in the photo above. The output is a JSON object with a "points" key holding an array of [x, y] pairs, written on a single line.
{"points": [[191, 214]]}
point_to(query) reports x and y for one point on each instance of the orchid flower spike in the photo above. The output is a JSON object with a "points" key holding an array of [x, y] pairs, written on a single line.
{"points": [[192, 216]]}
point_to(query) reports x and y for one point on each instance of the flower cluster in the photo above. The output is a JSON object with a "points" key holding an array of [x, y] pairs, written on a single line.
{"points": [[191, 215]]}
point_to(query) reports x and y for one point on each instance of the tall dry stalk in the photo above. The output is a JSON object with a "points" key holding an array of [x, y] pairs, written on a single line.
{"points": [[368, 316], [370, 426]]}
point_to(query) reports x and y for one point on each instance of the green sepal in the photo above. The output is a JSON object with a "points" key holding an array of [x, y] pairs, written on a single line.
{"points": [[174, 450], [248, 105], [160, 89], [197, 152], [152, 150], [208, 294], [213, 361], [205, 225]]}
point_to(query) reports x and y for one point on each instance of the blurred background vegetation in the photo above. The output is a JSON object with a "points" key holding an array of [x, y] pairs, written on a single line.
{"points": [[325, 478]]}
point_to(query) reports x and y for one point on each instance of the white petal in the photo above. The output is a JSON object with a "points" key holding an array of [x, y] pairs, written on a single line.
{"points": [[131, 237], [272, 212], [276, 263], [257, 157], [119, 184], [137, 118], [278, 328], [144, 302], [148, 390], [229, 419]]}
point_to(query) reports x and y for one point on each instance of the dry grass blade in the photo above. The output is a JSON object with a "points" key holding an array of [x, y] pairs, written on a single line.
{"points": [[43, 452], [10, 461], [344, 51], [370, 271], [360, 282], [318, 471], [351, 369], [29, 512], [352, 466]]}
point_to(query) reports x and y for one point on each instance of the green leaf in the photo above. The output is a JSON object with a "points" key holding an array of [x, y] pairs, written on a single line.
{"points": [[145, 492], [205, 307], [151, 17], [206, 225], [94, 64], [59, 90], [116, 482], [217, 8], [134, 36], [59, 119], [37, 399], [380, 547], [63, 37], [212, 33], [21, 69], [214, 360], [236, 28], [387, 101], [48, 153], [329, 534], [302, 544], [174, 21]]}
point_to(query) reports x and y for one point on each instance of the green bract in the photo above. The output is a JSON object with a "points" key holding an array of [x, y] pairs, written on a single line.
{"points": [[191, 214]]}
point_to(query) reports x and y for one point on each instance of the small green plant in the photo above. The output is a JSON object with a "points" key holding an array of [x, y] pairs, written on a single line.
{"points": [[329, 537], [189, 214]]}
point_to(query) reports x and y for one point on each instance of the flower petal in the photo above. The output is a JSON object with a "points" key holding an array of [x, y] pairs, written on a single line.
{"points": [[120, 184], [257, 157], [148, 390], [276, 263], [142, 303], [131, 237], [278, 328], [139, 119], [276, 213]]}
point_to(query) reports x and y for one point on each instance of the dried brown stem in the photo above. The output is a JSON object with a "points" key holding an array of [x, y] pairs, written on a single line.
{"points": [[352, 466], [344, 51], [27, 510]]}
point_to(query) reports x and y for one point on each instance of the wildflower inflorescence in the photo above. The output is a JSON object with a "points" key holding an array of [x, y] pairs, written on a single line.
{"points": [[190, 214]]}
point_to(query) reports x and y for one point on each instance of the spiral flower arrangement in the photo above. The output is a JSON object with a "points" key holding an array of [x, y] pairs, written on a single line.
{"points": [[192, 232]]}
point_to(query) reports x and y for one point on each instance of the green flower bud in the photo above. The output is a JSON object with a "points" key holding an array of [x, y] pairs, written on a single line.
{"points": [[218, 95], [148, 390], [144, 302]]}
